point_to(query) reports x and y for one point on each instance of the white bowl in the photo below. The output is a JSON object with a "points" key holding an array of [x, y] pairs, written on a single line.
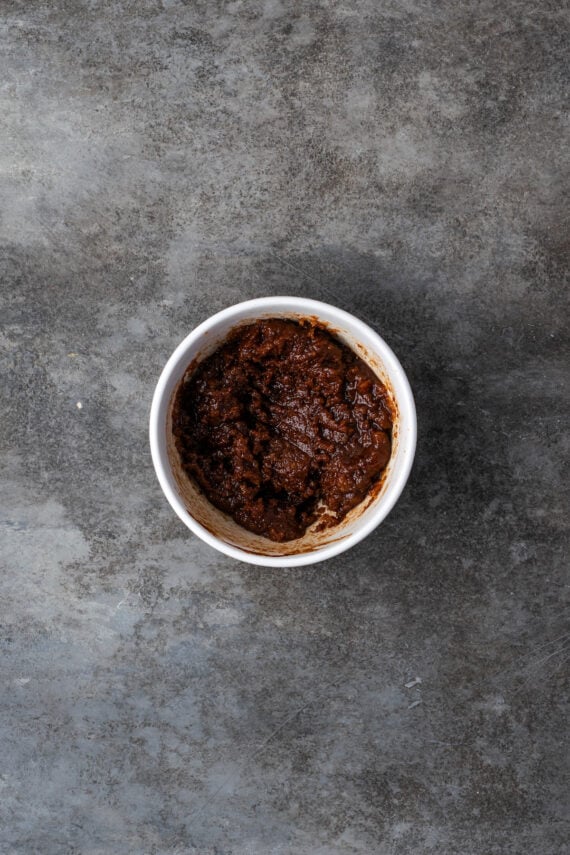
{"points": [[215, 527]]}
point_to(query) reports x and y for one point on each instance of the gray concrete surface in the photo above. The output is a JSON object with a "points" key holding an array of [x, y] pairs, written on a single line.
{"points": [[405, 161]]}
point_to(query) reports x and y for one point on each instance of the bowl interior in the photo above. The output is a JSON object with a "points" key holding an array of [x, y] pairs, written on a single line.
{"points": [[373, 508]]}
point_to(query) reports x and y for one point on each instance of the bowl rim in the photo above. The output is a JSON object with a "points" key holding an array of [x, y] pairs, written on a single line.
{"points": [[405, 403]]}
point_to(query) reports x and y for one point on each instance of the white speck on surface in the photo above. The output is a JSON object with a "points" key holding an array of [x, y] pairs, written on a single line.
{"points": [[79, 405], [415, 682], [415, 704]]}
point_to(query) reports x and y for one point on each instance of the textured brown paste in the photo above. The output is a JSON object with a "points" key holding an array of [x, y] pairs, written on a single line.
{"points": [[282, 423]]}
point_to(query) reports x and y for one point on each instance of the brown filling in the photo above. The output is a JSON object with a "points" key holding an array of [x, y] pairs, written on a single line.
{"points": [[282, 424]]}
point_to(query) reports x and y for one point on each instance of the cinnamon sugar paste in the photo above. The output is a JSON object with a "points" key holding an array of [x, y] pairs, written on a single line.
{"points": [[281, 426]]}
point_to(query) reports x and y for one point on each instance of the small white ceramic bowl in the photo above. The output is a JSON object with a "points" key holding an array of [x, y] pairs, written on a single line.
{"points": [[215, 527]]}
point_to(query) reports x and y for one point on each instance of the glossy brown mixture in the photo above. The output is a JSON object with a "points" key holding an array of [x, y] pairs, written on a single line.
{"points": [[282, 422]]}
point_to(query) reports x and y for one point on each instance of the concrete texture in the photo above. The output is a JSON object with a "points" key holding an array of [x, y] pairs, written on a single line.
{"points": [[405, 161]]}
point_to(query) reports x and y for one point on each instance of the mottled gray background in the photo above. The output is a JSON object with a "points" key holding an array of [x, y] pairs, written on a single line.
{"points": [[403, 159]]}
